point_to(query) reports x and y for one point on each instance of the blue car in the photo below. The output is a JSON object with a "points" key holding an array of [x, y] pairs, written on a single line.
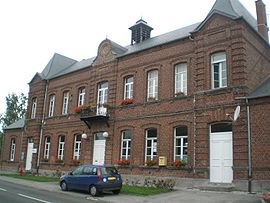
{"points": [[93, 179]]}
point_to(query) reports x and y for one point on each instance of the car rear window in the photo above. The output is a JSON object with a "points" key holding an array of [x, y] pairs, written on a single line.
{"points": [[108, 170]]}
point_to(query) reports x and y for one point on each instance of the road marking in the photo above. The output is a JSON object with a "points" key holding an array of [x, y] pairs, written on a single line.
{"points": [[3, 189], [33, 198]]}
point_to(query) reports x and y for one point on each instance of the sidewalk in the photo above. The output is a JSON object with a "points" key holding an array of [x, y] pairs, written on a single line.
{"points": [[179, 195]]}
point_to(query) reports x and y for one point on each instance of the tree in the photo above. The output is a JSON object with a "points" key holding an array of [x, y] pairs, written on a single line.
{"points": [[16, 109]]}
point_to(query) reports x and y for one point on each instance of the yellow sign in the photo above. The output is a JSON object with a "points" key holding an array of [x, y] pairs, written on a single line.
{"points": [[162, 160]]}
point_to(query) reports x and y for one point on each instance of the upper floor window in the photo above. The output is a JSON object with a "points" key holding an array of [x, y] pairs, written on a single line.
{"points": [[152, 85], [12, 149], [81, 96], [61, 147], [126, 145], [151, 144], [77, 147], [180, 79], [219, 70], [51, 105], [34, 108], [128, 88], [47, 148], [180, 143], [102, 98], [65, 103]]}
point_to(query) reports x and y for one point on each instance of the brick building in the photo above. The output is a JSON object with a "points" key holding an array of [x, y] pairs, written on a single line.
{"points": [[161, 101]]}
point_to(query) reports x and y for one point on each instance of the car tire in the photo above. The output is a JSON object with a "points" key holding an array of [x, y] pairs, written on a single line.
{"points": [[93, 190], [116, 192], [64, 186]]}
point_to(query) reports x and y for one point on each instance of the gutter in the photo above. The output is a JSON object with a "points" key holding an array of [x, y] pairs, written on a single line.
{"points": [[249, 144]]}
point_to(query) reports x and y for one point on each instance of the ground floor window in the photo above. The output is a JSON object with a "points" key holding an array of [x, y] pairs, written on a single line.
{"points": [[151, 144], [47, 148], [180, 143], [12, 149], [61, 147], [125, 145], [77, 147]]}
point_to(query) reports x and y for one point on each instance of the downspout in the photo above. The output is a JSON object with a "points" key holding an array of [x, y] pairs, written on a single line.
{"points": [[249, 149], [194, 133], [22, 135], [42, 125]]}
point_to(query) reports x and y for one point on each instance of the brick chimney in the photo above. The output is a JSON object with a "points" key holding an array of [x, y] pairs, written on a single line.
{"points": [[261, 19]]}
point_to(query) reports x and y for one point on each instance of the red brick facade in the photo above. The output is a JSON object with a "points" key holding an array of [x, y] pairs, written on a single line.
{"points": [[248, 63]]}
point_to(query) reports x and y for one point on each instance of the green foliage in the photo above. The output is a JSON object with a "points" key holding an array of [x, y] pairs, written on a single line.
{"points": [[16, 108], [33, 177], [138, 190]]}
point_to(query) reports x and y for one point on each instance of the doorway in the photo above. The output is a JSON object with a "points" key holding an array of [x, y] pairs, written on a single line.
{"points": [[221, 153], [99, 149]]}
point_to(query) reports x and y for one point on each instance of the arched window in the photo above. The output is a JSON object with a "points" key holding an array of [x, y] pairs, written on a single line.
{"points": [[128, 87], [61, 147], [77, 147], [125, 145], [180, 143], [12, 149], [152, 85], [47, 146], [151, 144]]}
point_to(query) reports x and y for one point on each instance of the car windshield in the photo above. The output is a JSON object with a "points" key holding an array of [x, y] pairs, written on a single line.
{"points": [[108, 170]]}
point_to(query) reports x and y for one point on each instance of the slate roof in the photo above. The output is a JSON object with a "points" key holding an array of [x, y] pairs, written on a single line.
{"points": [[61, 65], [58, 63], [16, 125], [231, 9], [263, 90]]}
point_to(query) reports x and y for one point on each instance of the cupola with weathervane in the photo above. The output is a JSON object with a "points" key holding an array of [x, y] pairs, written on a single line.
{"points": [[140, 31]]}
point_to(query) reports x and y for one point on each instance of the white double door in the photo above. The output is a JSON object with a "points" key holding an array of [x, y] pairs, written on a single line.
{"points": [[99, 149], [221, 157]]}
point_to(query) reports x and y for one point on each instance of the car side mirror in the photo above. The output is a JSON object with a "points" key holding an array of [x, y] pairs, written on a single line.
{"points": [[70, 173]]}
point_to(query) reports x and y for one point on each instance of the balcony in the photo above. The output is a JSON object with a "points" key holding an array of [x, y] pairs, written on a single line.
{"points": [[89, 115]]}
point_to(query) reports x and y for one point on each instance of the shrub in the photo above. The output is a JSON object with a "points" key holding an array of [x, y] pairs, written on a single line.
{"points": [[123, 162], [151, 163]]}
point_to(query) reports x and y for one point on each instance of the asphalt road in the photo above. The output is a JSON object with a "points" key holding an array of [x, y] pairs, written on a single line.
{"points": [[16, 193]]}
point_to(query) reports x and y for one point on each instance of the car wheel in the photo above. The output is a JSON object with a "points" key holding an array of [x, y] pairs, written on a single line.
{"points": [[64, 186], [93, 190], [116, 192]]}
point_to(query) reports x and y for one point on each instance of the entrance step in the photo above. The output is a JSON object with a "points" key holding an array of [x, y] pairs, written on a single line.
{"points": [[219, 187]]}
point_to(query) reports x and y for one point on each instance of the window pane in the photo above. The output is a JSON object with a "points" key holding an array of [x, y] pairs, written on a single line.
{"points": [[181, 131], [221, 127], [152, 133]]}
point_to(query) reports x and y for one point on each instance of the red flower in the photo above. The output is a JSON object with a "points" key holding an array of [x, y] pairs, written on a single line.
{"points": [[127, 101], [78, 109]]}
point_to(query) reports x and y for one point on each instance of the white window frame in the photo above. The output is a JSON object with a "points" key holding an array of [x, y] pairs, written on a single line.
{"points": [[125, 145], [81, 96], [152, 85], [180, 78], [218, 60], [77, 147], [65, 102], [128, 87], [102, 98], [47, 146], [34, 108], [51, 105], [12, 149], [153, 147], [183, 145], [61, 147]]}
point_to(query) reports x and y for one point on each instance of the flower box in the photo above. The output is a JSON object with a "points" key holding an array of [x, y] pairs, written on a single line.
{"points": [[127, 101]]}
